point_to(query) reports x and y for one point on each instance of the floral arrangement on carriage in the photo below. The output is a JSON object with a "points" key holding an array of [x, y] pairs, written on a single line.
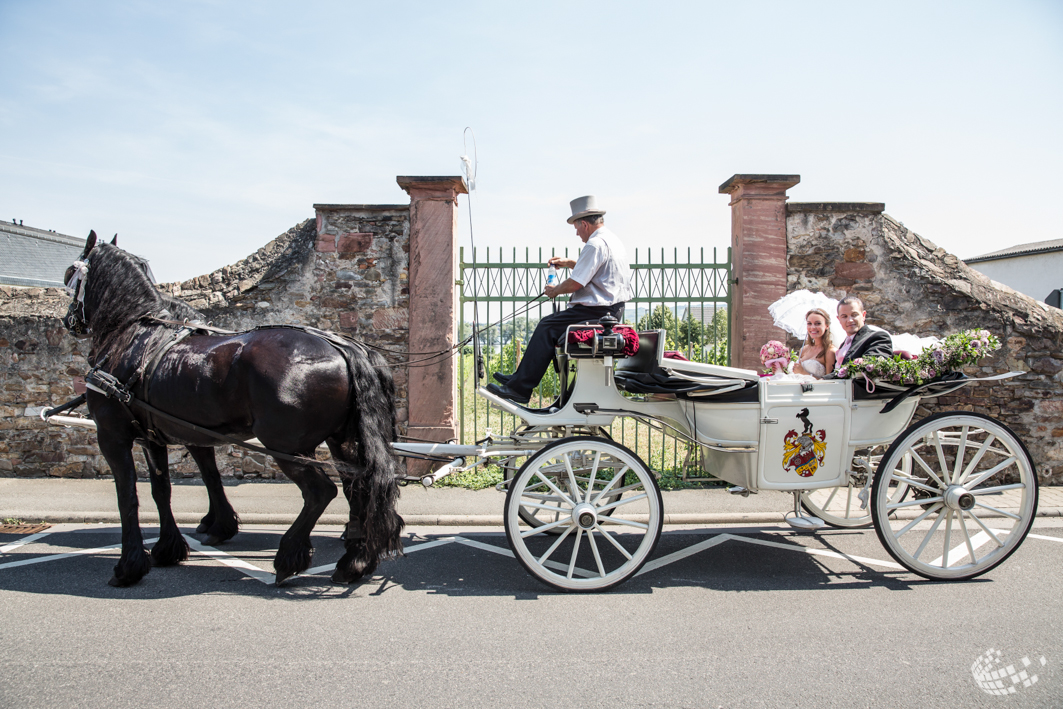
{"points": [[948, 355]]}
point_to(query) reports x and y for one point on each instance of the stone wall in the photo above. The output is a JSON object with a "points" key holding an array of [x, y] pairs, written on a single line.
{"points": [[347, 271], [910, 285]]}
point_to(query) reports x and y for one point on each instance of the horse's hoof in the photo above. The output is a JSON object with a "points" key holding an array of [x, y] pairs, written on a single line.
{"points": [[203, 527], [119, 583], [342, 577], [281, 578], [214, 540]]}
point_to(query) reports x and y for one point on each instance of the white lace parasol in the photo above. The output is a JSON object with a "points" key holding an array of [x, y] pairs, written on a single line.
{"points": [[789, 313]]}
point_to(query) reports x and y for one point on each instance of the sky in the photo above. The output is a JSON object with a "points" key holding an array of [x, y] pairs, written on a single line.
{"points": [[200, 130]]}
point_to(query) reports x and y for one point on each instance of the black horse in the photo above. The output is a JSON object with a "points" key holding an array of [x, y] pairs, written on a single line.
{"points": [[289, 388]]}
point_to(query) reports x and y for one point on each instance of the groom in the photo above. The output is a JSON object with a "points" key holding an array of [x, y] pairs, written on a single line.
{"points": [[862, 341]]}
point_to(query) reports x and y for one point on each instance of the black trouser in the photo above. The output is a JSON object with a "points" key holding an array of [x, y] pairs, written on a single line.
{"points": [[540, 350]]}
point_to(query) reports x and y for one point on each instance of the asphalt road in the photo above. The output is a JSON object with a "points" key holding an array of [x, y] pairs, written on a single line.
{"points": [[459, 623]]}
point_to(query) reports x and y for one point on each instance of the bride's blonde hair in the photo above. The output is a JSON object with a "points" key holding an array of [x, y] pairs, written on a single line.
{"points": [[826, 333]]}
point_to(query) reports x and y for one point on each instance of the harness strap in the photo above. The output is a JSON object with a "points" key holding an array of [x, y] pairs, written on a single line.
{"points": [[147, 372], [228, 439], [109, 386]]}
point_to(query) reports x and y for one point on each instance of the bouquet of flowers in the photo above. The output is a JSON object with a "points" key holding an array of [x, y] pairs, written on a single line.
{"points": [[776, 357], [953, 353]]}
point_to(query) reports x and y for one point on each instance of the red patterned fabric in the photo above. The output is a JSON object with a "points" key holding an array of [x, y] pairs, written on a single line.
{"points": [[672, 354], [631, 338]]}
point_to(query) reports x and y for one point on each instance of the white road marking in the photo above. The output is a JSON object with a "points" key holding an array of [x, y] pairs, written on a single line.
{"points": [[1041, 536], [66, 555], [486, 547], [684, 553], [821, 552], [25, 540], [960, 550], [268, 578], [231, 561]]}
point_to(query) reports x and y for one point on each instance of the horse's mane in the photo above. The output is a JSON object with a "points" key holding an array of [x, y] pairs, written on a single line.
{"points": [[119, 294]]}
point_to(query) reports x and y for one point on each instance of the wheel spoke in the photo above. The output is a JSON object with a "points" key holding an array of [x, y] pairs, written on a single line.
{"points": [[918, 519], [922, 464], [985, 529], [544, 528], [619, 476], [998, 511], [594, 475], [575, 552], [947, 542], [612, 541], [977, 458], [998, 488], [539, 496], [929, 534], [573, 485], [912, 482], [624, 522], [597, 556], [555, 488], [967, 538], [623, 501], [991, 472], [961, 450], [537, 506], [942, 466], [912, 503], [557, 542]]}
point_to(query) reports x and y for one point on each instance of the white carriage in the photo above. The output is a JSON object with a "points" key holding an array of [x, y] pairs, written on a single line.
{"points": [[584, 513]]}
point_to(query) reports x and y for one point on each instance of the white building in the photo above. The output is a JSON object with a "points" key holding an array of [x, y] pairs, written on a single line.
{"points": [[1034, 269]]}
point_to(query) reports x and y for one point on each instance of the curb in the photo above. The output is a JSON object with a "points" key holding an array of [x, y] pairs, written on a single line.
{"points": [[421, 520]]}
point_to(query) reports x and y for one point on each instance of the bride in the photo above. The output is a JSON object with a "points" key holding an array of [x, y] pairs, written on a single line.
{"points": [[817, 355]]}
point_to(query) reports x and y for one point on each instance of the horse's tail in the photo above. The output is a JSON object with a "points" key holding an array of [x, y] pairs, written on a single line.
{"points": [[372, 426]]}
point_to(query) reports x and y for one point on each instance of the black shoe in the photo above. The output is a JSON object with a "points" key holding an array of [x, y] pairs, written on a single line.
{"points": [[502, 378], [506, 393]]}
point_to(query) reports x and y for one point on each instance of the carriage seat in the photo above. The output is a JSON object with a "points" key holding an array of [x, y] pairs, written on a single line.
{"points": [[648, 372], [577, 341]]}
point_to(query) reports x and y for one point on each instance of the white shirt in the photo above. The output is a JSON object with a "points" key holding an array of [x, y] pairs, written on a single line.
{"points": [[602, 269]]}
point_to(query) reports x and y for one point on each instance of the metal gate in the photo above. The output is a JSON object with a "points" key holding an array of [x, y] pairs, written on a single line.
{"points": [[689, 298]]}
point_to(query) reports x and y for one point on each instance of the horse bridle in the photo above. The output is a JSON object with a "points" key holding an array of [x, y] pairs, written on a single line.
{"points": [[75, 320]]}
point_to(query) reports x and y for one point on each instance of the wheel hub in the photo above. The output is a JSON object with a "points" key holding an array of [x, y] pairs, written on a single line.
{"points": [[585, 515], [957, 497]]}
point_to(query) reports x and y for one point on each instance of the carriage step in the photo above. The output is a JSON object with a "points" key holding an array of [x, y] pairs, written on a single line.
{"points": [[804, 521], [738, 490]]}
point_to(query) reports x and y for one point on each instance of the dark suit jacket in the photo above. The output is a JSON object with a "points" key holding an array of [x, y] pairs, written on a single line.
{"points": [[869, 343]]}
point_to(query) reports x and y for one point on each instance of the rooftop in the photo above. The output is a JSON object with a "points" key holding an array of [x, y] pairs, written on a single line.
{"points": [[1037, 247], [35, 257]]}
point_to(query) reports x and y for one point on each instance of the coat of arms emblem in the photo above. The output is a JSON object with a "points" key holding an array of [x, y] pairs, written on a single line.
{"points": [[804, 452]]}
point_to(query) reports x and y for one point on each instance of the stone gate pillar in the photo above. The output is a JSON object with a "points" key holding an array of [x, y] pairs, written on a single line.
{"points": [[758, 252], [433, 303]]}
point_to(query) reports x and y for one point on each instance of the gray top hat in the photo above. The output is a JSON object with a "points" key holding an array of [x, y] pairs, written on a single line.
{"points": [[584, 207]]}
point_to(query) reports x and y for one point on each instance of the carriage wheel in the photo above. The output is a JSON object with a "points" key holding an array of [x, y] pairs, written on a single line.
{"points": [[606, 508], [841, 506], [974, 496]]}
